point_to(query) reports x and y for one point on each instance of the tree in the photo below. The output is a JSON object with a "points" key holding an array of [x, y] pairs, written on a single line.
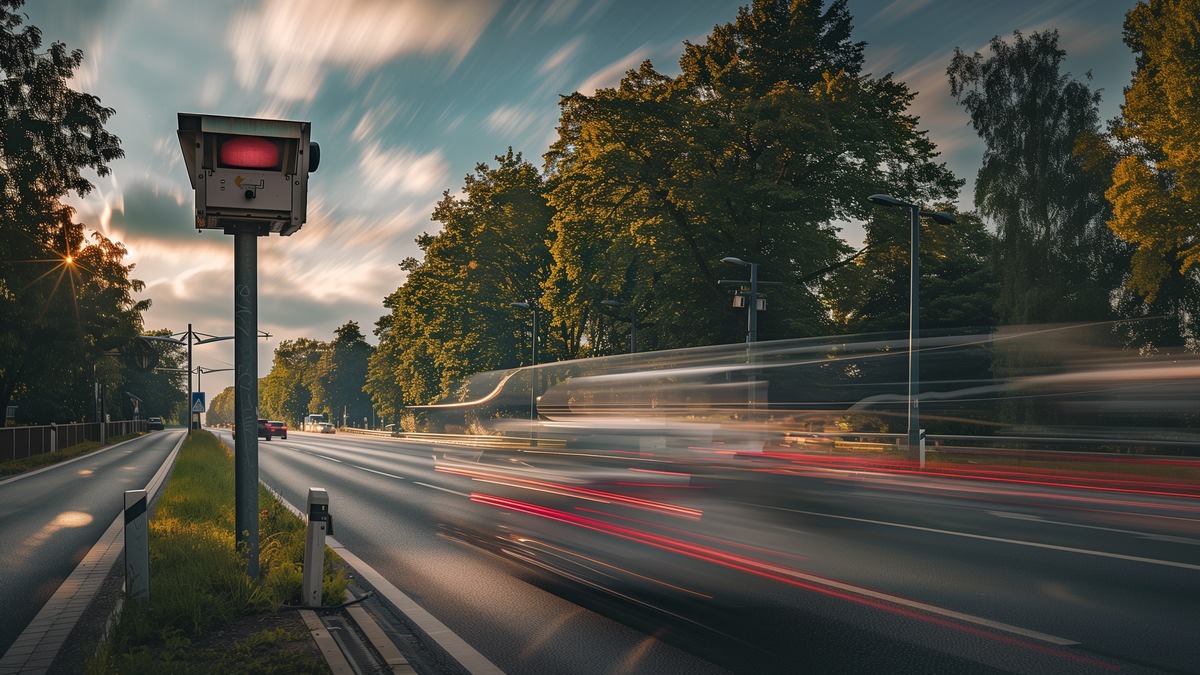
{"points": [[958, 278], [452, 318], [163, 392], [1057, 260], [287, 391], [768, 136], [64, 301], [342, 375], [220, 409], [1156, 184]]}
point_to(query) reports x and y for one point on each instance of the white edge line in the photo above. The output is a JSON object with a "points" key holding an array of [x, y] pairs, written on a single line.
{"points": [[1002, 540], [458, 649], [99, 559], [934, 609]]}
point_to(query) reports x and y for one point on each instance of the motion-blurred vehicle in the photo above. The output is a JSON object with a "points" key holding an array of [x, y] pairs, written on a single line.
{"points": [[154, 424], [264, 431], [277, 428], [324, 428]]}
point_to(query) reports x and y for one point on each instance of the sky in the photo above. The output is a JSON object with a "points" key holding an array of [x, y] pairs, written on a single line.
{"points": [[405, 97]]}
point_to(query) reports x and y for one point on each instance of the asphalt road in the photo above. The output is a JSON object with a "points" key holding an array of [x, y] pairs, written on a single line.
{"points": [[764, 568], [50, 520]]}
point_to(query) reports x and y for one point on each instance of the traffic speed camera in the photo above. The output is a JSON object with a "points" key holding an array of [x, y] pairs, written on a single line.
{"points": [[248, 171]]}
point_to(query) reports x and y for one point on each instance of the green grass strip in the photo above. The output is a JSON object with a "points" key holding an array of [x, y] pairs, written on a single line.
{"points": [[198, 580]]}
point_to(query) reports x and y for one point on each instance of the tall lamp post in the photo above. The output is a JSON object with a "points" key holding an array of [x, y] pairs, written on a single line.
{"points": [[195, 338], [752, 313], [617, 304], [751, 320], [533, 375], [914, 303]]}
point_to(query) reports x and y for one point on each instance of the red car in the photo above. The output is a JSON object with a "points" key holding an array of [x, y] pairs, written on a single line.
{"points": [[264, 429], [277, 428]]}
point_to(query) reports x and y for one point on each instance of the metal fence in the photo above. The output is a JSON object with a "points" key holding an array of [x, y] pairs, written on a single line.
{"points": [[22, 442]]}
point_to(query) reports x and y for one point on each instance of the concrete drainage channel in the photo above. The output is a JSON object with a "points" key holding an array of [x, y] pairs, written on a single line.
{"points": [[363, 634], [352, 641], [370, 634]]}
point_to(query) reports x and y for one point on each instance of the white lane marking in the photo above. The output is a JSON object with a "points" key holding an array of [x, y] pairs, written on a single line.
{"points": [[314, 454], [472, 661], [381, 473], [436, 487], [1034, 544], [1143, 535], [934, 609]]}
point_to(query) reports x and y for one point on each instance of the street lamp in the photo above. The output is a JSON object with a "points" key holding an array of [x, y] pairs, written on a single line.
{"points": [[617, 304], [533, 374], [914, 303], [752, 314], [194, 338]]}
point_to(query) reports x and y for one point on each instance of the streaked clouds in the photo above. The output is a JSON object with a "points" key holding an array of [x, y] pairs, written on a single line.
{"points": [[287, 46], [562, 56], [402, 171], [512, 121]]}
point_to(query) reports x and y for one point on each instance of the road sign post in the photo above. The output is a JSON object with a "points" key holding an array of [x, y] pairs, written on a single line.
{"points": [[137, 548]]}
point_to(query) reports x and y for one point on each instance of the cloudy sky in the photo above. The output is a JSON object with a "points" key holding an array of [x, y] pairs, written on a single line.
{"points": [[406, 96]]}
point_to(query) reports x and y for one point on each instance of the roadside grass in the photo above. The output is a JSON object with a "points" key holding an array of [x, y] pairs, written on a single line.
{"points": [[48, 458], [205, 614]]}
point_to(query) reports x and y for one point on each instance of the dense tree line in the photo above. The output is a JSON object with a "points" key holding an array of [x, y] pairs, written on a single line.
{"points": [[67, 313], [768, 138], [310, 376]]}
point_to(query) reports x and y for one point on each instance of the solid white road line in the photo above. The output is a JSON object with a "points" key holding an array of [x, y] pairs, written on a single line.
{"points": [[1001, 540]]}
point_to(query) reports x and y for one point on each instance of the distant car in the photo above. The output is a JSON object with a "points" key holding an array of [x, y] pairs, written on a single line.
{"points": [[278, 428], [264, 431], [324, 428], [154, 424]]}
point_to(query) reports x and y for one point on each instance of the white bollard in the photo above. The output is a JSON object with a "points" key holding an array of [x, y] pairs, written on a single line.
{"points": [[137, 545], [320, 524]]}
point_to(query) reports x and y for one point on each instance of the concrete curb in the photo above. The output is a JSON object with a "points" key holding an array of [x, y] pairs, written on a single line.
{"points": [[39, 644]]}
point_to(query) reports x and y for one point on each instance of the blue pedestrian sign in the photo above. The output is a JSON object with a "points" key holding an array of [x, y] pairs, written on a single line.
{"points": [[197, 401]]}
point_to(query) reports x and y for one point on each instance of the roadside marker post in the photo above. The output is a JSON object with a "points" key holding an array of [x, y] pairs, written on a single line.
{"points": [[320, 524], [137, 545]]}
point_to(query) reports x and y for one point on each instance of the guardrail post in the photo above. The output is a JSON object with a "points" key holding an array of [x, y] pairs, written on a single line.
{"points": [[320, 523], [137, 546]]}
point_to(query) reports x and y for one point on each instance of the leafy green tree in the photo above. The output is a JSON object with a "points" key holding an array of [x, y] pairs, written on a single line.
{"points": [[162, 391], [958, 279], [452, 317], [287, 391], [1057, 260], [64, 301], [1156, 183], [221, 409], [342, 375], [770, 134]]}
